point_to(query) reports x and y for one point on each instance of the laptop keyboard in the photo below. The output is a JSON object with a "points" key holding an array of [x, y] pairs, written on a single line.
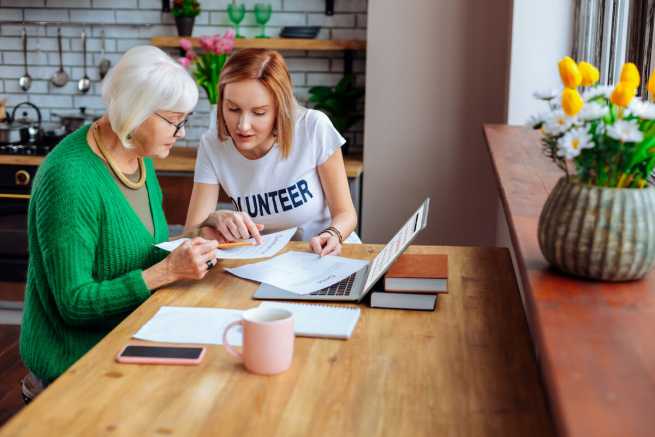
{"points": [[341, 288]]}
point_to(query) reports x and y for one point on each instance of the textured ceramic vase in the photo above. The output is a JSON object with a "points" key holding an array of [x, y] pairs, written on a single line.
{"points": [[598, 232]]}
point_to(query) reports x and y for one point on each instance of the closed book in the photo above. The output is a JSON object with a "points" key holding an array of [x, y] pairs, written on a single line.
{"points": [[404, 301], [418, 274]]}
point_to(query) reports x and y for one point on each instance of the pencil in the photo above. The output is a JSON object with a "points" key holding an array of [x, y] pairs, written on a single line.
{"points": [[237, 244]]}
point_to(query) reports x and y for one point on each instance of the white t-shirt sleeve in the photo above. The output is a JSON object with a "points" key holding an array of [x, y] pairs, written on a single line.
{"points": [[206, 172], [324, 136]]}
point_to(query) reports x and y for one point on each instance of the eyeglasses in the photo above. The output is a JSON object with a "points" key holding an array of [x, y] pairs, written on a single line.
{"points": [[177, 126]]}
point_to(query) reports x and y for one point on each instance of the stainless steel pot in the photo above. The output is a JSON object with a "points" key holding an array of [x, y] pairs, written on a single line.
{"points": [[76, 120]]}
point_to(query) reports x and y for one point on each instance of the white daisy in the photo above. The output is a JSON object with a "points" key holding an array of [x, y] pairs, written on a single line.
{"points": [[535, 121], [571, 144], [547, 94], [557, 122], [597, 91], [593, 111], [643, 110], [625, 131]]}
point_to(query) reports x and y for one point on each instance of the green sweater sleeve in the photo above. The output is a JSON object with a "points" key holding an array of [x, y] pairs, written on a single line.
{"points": [[69, 219]]}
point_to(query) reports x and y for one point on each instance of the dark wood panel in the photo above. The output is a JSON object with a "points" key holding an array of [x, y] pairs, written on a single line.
{"points": [[11, 371], [593, 339]]}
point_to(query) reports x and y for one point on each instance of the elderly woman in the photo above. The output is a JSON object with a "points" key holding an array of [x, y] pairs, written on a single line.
{"points": [[96, 213]]}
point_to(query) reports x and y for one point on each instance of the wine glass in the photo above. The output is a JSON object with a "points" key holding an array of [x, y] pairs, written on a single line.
{"points": [[262, 15], [236, 13]]}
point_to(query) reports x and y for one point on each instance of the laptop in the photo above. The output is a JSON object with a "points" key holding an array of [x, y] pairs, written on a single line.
{"points": [[355, 287]]}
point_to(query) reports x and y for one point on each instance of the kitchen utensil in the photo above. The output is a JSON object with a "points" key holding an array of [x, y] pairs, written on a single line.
{"points": [[25, 81], [21, 130], [74, 121], [84, 84], [31, 132], [105, 64], [60, 78]]}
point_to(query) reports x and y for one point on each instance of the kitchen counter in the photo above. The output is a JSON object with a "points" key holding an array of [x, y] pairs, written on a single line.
{"points": [[182, 159]]}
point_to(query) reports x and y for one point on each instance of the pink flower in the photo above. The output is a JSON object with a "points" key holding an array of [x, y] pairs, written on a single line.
{"points": [[228, 41], [207, 43], [191, 55], [186, 44], [185, 62]]}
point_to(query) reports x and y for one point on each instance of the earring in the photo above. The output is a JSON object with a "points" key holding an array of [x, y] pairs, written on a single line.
{"points": [[129, 136]]}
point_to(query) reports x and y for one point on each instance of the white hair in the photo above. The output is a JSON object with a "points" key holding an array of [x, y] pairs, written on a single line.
{"points": [[145, 80]]}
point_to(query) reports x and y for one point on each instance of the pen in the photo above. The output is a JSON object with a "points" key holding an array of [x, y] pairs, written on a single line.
{"points": [[237, 244]]}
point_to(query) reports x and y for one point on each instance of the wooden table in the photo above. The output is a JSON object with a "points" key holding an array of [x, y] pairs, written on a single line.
{"points": [[464, 370], [593, 339]]}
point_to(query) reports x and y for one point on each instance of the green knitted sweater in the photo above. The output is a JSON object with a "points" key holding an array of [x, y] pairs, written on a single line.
{"points": [[87, 252]]}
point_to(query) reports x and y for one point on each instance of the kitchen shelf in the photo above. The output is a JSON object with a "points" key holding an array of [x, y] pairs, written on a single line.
{"points": [[271, 43]]}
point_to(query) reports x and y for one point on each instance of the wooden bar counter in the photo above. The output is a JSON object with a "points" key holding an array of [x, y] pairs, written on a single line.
{"points": [[465, 370], [594, 340]]}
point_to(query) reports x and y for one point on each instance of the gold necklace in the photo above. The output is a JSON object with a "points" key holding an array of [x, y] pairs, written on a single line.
{"points": [[114, 168]]}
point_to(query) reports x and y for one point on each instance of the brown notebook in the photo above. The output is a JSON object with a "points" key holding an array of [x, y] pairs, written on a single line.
{"points": [[418, 274]]}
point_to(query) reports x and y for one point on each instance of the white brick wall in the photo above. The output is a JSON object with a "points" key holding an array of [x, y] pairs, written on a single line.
{"points": [[308, 68]]}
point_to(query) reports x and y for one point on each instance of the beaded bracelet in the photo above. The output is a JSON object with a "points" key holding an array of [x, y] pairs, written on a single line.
{"points": [[333, 231]]}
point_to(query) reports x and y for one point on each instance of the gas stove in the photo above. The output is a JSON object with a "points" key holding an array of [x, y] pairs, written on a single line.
{"points": [[25, 149]]}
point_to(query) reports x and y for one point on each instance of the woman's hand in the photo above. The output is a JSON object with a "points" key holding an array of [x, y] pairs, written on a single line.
{"points": [[232, 226], [325, 244], [192, 260]]}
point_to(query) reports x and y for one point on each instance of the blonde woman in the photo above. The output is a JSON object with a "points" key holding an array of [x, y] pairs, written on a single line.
{"points": [[280, 164], [95, 213]]}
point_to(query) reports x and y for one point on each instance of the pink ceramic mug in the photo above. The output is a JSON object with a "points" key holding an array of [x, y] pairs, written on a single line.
{"points": [[267, 340]]}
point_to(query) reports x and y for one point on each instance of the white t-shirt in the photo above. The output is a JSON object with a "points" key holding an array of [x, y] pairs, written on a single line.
{"points": [[278, 193]]}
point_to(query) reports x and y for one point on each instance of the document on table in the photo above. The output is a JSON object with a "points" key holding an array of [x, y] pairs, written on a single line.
{"points": [[191, 325], [300, 272], [272, 244]]}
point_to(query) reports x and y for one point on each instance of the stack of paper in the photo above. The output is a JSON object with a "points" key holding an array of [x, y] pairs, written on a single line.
{"points": [[300, 272]]}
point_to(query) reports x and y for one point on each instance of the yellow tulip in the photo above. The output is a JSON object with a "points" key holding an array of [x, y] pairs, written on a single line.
{"points": [[651, 86], [572, 102], [630, 74], [590, 74], [623, 94], [569, 73]]}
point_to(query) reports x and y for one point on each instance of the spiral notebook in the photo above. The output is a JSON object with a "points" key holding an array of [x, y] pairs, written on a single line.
{"points": [[320, 320]]}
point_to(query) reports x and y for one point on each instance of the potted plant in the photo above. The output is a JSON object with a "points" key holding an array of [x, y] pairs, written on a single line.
{"points": [[599, 220], [339, 103], [185, 13], [208, 64]]}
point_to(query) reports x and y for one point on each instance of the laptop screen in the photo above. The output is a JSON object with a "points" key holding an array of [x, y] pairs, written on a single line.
{"points": [[397, 245]]}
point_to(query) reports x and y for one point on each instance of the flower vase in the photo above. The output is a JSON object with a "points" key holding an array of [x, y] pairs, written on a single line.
{"points": [[213, 113], [599, 232], [184, 25]]}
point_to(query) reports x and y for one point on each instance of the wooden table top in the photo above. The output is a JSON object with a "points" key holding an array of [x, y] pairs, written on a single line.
{"points": [[465, 370], [592, 338], [183, 160]]}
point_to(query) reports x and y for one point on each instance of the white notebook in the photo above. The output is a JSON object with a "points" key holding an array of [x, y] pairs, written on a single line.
{"points": [[320, 320]]}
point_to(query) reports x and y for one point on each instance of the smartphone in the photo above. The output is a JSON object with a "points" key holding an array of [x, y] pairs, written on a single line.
{"points": [[138, 354]]}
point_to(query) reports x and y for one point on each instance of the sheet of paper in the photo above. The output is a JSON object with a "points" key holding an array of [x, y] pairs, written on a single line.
{"points": [[272, 244], [300, 272], [191, 325]]}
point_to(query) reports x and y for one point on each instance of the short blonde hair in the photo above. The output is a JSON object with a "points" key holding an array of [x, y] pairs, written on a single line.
{"points": [[268, 67], [145, 80]]}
